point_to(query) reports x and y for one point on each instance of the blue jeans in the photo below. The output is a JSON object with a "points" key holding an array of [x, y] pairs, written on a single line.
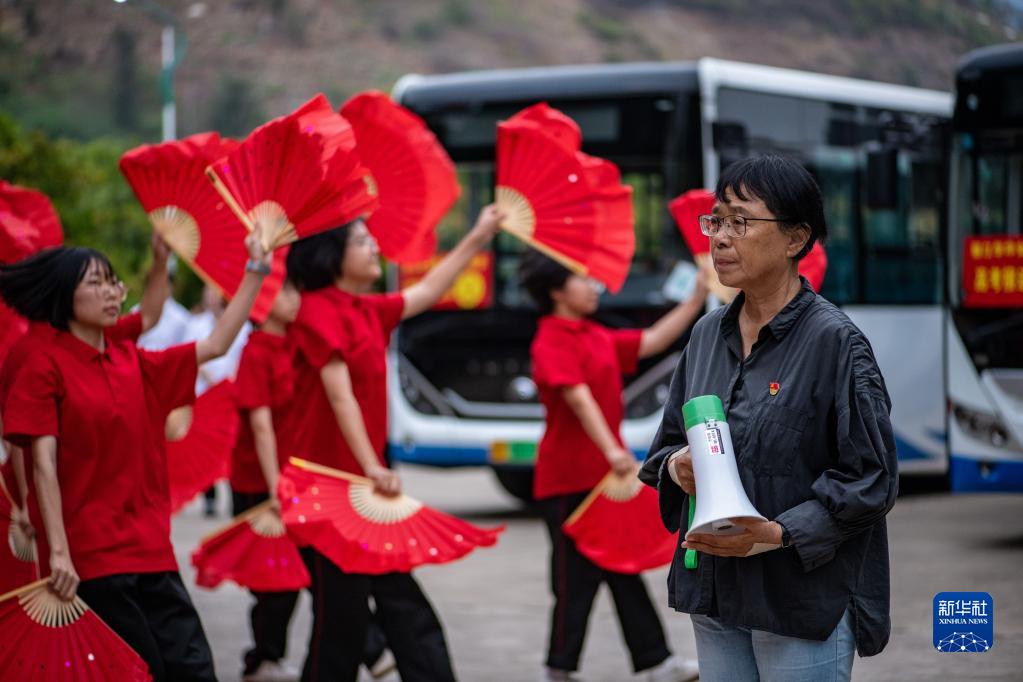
{"points": [[732, 653]]}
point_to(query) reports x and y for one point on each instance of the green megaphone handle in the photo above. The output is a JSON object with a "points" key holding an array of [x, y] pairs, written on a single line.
{"points": [[691, 553]]}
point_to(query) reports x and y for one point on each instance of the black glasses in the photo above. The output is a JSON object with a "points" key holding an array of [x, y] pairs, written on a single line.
{"points": [[734, 225]]}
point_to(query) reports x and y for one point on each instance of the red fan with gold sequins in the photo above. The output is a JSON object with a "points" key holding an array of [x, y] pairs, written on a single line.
{"points": [[413, 174], [18, 556], [569, 205], [254, 551], [28, 222], [46, 639], [618, 527], [296, 175], [200, 439], [363, 532], [170, 183]]}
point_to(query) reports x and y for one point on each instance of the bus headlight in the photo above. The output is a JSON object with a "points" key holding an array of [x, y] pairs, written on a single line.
{"points": [[983, 426]]}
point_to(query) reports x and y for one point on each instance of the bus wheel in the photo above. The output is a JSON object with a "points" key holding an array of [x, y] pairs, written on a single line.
{"points": [[517, 480]]}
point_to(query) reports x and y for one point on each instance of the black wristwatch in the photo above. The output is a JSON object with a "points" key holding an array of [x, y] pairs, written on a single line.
{"points": [[786, 539]]}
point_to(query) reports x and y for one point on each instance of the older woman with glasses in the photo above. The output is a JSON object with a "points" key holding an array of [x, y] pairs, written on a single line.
{"points": [[809, 415]]}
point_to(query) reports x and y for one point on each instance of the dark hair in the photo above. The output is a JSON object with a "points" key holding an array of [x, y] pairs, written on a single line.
{"points": [[315, 262], [786, 188], [540, 276], [42, 287]]}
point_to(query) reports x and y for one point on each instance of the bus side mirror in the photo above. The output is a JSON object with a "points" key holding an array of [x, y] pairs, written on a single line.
{"points": [[883, 179]]}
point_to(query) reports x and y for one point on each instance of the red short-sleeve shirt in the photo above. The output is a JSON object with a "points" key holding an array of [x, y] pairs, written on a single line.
{"points": [[356, 329], [568, 353], [265, 378], [128, 327], [107, 411]]}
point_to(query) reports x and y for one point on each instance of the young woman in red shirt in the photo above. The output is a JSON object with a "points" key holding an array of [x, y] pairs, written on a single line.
{"points": [[264, 384], [577, 367], [341, 337], [91, 412]]}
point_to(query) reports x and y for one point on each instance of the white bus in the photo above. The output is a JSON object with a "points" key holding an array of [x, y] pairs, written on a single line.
{"points": [[984, 328], [461, 393]]}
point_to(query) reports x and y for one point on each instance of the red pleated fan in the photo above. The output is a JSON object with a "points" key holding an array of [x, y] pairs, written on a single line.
{"points": [[18, 556], [254, 551], [28, 222], [569, 205], [169, 181], [296, 175], [618, 527], [46, 639], [199, 443], [414, 176], [362, 532]]}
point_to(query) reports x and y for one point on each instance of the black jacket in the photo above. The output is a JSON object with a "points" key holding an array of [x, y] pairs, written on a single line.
{"points": [[818, 457]]}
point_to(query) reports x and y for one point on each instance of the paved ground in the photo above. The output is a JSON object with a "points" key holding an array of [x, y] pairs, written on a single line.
{"points": [[494, 603]]}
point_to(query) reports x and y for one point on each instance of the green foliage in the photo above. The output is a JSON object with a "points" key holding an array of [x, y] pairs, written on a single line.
{"points": [[457, 13], [95, 204], [236, 108], [605, 28], [61, 97]]}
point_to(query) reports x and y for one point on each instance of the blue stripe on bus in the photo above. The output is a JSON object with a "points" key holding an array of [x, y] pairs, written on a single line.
{"points": [[440, 455], [453, 456], [907, 451], [965, 476]]}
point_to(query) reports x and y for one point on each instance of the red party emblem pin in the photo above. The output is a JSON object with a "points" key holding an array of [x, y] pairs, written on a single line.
{"points": [[774, 387]]}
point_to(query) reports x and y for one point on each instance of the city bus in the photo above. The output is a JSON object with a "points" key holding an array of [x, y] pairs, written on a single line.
{"points": [[984, 330], [460, 388]]}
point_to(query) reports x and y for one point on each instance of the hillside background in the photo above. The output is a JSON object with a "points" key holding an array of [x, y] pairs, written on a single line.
{"points": [[84, 68], [79, 78]]}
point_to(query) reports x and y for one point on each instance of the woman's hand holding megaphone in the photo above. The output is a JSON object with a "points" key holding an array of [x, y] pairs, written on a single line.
{"points": [[681, 470], [756, 533]]}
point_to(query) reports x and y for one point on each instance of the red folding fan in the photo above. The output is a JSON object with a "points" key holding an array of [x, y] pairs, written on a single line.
{"points": [[362, 532], [296, 175], [413, 174], [618, 527], [569, 205], [686, 209], [46, 639], [169, 181], [199, 450], [28, 222], [254, 551], [18, 556]]}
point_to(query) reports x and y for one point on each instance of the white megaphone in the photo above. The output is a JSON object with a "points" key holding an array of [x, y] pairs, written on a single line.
{"points": [[720, 496]]}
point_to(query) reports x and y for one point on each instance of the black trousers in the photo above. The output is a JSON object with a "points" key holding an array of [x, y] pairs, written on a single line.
{"points": [[574, 584], [341, 620], [153, 613], [271, 614]]}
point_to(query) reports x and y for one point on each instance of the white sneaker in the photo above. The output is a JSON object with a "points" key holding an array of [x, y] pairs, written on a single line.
{"points": [[383, 665], [674, 669], [556, 675], [272, 671]]}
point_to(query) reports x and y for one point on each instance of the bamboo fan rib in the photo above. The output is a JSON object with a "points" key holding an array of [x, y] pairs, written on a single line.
{"points": [[49, 610], [178, 228], [621, 488], [380, 509], [267, 524], [22, 546]]}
